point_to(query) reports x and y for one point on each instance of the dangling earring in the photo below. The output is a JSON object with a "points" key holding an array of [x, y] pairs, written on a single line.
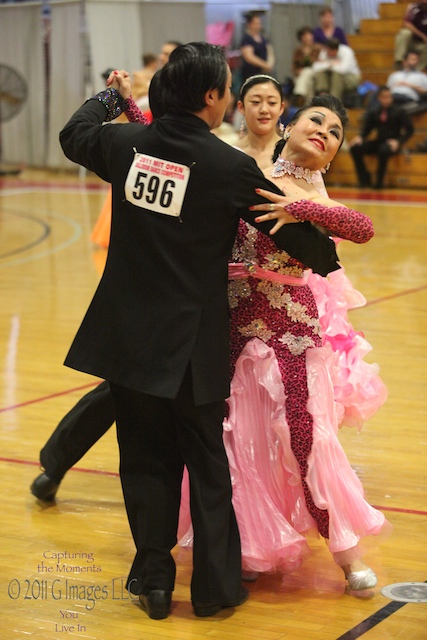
{"points": [[242, 130], [325, 169], [281, 128], [286, 136]]}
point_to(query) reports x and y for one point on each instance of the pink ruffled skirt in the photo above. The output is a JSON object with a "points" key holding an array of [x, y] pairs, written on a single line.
{"points": [[267, 491]]}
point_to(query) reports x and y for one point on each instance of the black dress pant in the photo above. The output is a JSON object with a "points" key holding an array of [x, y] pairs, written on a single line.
{"points": [[78, 431], [377, 148], [157, 437]]}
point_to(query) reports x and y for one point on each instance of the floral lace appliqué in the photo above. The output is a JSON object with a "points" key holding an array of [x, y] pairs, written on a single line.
{"points": [[273, 291], [296, 344], [279, 262], [246, 251], [296, 311], [238, 289], [257, 329]]}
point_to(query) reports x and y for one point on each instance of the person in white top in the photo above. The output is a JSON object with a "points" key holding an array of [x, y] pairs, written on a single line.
{"points": [[408, 85], [336, 70]]}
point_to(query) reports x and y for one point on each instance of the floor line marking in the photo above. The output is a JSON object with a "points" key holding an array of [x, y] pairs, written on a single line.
{"points": [[102, 472], [373, 620], [49, 397], [398, 294]]}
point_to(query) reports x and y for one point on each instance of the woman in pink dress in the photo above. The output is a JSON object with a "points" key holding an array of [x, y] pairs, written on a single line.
{"points": [[289, 471]]}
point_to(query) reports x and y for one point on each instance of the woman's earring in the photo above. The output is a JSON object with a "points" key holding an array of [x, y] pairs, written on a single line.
{"points": [[325, 169], [242, 130], [286, 136], [281, 128]]}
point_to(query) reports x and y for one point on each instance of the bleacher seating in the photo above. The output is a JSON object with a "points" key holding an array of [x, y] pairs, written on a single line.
{"points": [[374, 46]]}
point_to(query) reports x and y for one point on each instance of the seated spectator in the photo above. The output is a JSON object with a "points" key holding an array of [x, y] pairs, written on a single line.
{"points": [[413, 34], [336, 70], [305, 54], [392, 127], [408, 86], [327, 29], [257, 53]]}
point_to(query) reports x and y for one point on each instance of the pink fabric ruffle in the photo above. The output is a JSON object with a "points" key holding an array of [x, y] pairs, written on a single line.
{"points": [[267, 492], [264, 472], [333, 483], [358, 386]]}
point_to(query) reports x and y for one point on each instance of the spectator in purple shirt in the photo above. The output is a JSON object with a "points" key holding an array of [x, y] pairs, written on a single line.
{"points": [[327, 29], [257, 52]]}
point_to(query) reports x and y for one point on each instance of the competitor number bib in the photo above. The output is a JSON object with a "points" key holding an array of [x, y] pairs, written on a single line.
{"points": [[157, 185]]}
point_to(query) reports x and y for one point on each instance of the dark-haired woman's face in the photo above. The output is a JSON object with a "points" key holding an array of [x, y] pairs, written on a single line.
{"points": [[315, 138], [327, 19], [307, 38], [255, 24], [262, 107]]}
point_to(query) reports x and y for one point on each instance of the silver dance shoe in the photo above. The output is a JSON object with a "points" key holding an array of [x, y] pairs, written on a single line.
{"points": [[359, 580]]}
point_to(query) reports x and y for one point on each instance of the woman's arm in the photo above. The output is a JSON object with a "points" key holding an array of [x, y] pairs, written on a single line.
{"points": [[134, 113], [120, 80], [333, 217], [271, 58]]}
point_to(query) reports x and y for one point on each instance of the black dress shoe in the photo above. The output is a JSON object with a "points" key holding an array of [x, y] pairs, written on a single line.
{"points": [[44, 488], [157, 603], [203, 609]]}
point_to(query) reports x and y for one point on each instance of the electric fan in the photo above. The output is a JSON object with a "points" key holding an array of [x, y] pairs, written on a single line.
{"points": [[13, 93]]}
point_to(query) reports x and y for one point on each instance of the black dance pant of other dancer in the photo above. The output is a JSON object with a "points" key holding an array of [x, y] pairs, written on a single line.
{"points": [[78, 431]]}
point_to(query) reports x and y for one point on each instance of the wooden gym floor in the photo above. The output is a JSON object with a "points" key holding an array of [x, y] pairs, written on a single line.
{"points": [[48, 273]]}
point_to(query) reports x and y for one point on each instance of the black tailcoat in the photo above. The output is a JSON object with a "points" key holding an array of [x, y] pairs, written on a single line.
{"points": [[162, 300]]}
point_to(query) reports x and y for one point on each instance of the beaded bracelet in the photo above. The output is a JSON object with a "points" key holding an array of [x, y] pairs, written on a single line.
{"points": [[114, 102]]}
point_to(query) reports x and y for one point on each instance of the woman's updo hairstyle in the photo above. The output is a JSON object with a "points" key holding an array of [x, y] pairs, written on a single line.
{"points": [[326, 101]]}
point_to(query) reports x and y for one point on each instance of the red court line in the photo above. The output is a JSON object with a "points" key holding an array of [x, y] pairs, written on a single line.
{"points": [[100, 472], [399, 294], [52, 395], [382, 197], [336, 191], [50, 186]]}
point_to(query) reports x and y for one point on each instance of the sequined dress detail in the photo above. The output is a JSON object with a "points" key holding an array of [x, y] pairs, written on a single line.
{"points": [[289, 472]]}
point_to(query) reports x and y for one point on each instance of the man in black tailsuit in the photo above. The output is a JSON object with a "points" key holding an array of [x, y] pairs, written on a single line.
{"points": [[157, 328]]}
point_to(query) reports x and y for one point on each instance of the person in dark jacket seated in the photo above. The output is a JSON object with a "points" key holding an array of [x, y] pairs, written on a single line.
{"points": [[393, 128]]}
